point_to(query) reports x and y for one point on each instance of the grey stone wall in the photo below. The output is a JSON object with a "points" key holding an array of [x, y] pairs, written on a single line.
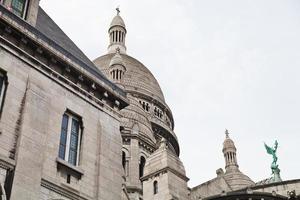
{"points": [[209, 188], [30, 133], [166, 168]]}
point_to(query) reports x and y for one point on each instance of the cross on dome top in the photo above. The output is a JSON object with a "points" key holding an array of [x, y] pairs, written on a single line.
{"points": [[118, 10], [227, 133]]}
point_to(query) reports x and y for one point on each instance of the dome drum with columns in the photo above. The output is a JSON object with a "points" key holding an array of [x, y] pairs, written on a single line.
{"points": [[117, 34]]}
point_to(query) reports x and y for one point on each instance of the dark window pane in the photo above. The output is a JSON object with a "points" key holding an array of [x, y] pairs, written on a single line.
{"points": [[155, 187], [65, 122], [63, 137], [72, 157], [75, 126], [62, 152], [18, 7], [74, 142], [1, 83]]}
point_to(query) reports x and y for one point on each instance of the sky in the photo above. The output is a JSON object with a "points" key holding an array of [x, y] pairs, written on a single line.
{"points": [[231, 64]]}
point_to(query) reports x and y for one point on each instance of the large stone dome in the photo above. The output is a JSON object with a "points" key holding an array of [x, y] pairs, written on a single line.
{"points": [[137, 77], [148, 110]]}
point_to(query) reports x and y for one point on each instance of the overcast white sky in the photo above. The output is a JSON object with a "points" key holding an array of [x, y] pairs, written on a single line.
{"points": [[231, 64]]}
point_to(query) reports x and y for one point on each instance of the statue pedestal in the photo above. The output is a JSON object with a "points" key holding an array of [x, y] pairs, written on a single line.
{"points": [[276, 175]]}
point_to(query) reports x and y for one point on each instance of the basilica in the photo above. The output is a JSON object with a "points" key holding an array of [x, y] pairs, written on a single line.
{"points": [[76, 129]]}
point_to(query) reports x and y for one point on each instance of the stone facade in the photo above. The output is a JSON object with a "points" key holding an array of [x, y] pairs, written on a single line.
{"points": [[37, 94], [76, 129]]}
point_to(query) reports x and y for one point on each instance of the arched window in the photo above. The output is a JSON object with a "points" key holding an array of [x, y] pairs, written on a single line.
{"points": [[155, 187], [142, 166], [123, 160]]}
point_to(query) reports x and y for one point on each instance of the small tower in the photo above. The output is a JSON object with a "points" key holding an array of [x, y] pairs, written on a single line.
{"points": [[229, 152], [164, 177], [117, 67], [117, 34]]}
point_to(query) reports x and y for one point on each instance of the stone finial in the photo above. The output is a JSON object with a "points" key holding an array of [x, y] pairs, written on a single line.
{"points": [[219, 172]]}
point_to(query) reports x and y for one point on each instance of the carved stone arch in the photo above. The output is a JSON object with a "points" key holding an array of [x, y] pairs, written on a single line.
{"points": [[143, 153], [142, 163], [125, 160], [127, 152]]}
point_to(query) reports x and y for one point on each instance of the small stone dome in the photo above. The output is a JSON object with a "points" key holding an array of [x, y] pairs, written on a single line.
{"points": [[117, 21], [237, 180], [116, 60], [228, 142]]}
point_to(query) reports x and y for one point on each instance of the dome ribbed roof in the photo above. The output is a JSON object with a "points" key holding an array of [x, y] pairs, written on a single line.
{"points": [[237, 180], [117, 21], [137, 77], [228, 142]]}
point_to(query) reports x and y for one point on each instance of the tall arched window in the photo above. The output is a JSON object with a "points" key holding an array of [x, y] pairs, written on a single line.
{"points": [[155, 187], [70, 137], [142, 166]]}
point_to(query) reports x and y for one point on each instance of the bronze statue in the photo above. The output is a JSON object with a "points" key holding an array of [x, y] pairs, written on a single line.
{"points": [[274, 166]]}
